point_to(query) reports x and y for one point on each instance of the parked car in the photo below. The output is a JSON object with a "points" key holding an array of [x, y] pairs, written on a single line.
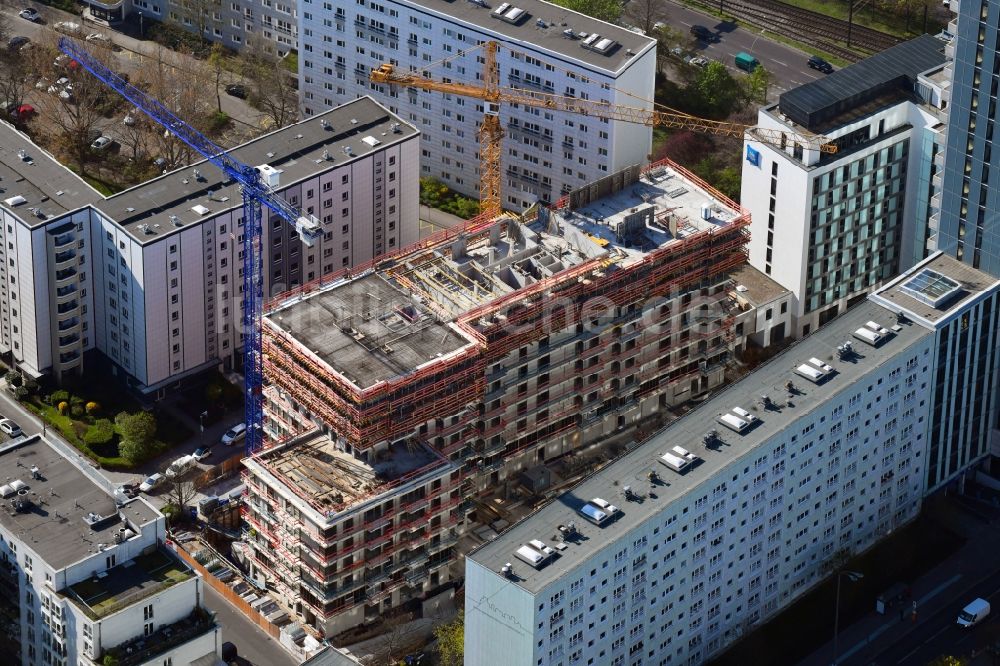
{"points": [[30, 14], [68, 27], [102, 143], [18, 42], [99, 37], [236, 90], [128, 489], [703, 33], [24, 111], [180, 466], [10, 428], [152, 482], [129, 119], [235, 434], [677, 51], [699, 61], [817, 63], [201, 453]]}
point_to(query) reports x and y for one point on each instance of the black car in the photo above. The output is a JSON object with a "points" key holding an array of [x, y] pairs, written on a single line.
{"points": [[818, 63], [702, 33], [17, 43], [236, 90]]}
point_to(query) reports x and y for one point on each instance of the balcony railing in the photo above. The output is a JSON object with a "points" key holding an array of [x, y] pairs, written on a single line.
{"points": [[141, 649]]}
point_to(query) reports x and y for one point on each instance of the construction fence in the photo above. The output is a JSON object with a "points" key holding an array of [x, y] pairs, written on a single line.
{"points": [[273, 630]]}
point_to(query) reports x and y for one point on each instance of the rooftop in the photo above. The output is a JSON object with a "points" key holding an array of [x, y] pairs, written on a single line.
{"points": [[367, 329], [897, 68], [48, 189], [689, 432], [545, 26], [329, 479], [128, 583], [758, 288], [349, 132], [934, 288], [647, 212], [53, 520]]}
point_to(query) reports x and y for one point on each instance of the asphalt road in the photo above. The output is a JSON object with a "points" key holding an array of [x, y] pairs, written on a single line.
{"points": [[251, 643], [787, 64], [938, 634]]}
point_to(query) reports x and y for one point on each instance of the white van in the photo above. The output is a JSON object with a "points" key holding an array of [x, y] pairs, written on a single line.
{"points": [[974, 613], [179, 466]]}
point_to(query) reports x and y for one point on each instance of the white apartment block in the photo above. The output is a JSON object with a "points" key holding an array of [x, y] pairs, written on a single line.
{"points": [[732, 512], [91, 576], [152, 277], [830, 228], [544, 48]]}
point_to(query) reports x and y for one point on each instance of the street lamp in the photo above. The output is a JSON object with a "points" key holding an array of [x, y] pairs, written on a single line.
{"points": [[854, 577], [141, 33]]}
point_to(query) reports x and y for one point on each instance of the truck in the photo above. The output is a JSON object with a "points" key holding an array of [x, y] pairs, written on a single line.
{"points": [[746, 62], [179, 466], [974, 613]]}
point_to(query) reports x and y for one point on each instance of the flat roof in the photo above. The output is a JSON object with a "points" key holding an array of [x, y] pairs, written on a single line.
{"points": [[760, 288], [814, 103], [125, 584], [551, 37], [677, 205], [689, 433], [53, 525], [45, 184], [330, 478], [298, 150], [899, 294], [367, 329]]}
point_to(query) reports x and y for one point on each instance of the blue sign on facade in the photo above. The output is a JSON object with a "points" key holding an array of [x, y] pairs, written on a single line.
{"points": [[753, 156]]}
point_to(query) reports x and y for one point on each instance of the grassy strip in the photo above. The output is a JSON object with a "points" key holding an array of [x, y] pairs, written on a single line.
{"points": [[102, 186], [70, 430], [890, 23]]}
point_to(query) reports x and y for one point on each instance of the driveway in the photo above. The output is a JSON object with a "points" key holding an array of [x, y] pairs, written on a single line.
{"points": [[252, 644]]}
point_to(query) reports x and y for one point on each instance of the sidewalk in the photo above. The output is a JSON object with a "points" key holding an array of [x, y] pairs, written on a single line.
{"points": [[955, 578]]}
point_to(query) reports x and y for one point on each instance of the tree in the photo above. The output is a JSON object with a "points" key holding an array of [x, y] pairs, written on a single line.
{"points": [[216, 60], [684, 147], [604, 10], [272, 87], [647, 13], [756, 85], [948, 660], [181, 493], [102, 432], [451, 641], [195, 16], [14, 378], [715, 91], [137, 432], [398, 637]]}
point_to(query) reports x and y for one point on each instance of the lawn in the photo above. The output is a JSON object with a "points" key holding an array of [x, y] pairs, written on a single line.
{"points": [[884, 21], [806, 625]]}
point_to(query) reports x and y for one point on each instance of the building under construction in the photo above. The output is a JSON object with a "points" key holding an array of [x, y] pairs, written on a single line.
{"points": [[401, 389]]}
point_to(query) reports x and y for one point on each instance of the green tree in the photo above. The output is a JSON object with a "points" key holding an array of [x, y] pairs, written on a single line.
{"points": [[715, 91], [756, 85], [451, 640], [102, 432], [604, 10], [14, 378], [137, 432]]}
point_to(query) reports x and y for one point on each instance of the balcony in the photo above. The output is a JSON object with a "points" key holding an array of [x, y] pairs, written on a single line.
{"points": [[63, 240], [66, 308], [65, 277], [68, 341], [65, 259]]}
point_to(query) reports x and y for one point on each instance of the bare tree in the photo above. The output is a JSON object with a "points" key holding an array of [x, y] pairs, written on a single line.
{"points": [[273, 90], [397, 638], [647, 13], [181, 492], [14, 76], [196, 16]]}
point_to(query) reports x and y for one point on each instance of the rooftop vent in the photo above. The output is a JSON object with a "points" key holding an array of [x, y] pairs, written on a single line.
{"points": [[599, 512], [348, 151], [324, 123], [678, 459], [481, 3], [176, 221], [507, 571], [739, 420], [23, 154], [872, 333], [198, 175], [509, 14], [395, 127], [326, 156], [602, 45], [36, 473], [535, 553], [96, 521], [569, 34], [845, 350], [18, 485]]}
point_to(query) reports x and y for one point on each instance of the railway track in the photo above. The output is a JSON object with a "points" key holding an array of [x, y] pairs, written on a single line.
{"points": [[810, 27]]}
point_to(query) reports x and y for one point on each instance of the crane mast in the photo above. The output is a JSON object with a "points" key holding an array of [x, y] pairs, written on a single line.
{"points": [[256, 195]]}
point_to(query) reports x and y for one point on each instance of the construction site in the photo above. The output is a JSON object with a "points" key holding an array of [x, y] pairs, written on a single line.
{"points": [[403, 396]]}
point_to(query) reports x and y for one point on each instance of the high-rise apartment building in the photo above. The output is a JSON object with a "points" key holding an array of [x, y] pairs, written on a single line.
{"points": [[545, 48], [832, 227], [446, 370], [152, 277], [733, 511], [967, 226], [90, 576]]}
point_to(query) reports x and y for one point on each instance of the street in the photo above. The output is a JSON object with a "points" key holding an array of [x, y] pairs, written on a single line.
{"points": [[253, 644], [787, 64]]}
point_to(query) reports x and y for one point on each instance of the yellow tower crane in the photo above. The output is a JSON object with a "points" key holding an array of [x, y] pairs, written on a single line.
{"points": [[491, 133]]}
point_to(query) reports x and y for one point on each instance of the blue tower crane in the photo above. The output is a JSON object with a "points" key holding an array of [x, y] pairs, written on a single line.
{"points": [[255, 192]]}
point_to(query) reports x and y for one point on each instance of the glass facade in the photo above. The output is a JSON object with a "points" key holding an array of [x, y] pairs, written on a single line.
{"points": [[969, 224], [855, 226]]}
